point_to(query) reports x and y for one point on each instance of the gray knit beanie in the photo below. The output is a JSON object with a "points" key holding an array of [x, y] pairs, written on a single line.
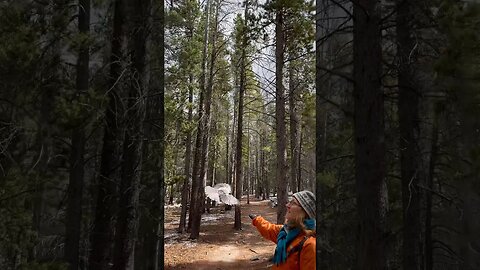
{"points": [[307, 201]]}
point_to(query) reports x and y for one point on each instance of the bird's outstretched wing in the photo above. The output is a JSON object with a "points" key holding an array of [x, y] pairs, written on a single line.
{"points": [[223, 188], [228, 199], [212, 193]]}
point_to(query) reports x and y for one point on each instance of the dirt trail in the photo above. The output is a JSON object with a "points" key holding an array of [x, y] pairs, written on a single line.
{"points": [[219, 245]]}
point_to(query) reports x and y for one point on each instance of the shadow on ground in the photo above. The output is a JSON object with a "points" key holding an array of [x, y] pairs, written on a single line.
{"points": [[262, 263]]}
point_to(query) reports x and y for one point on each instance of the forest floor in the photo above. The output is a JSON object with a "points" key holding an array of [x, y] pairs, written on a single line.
{"points": [[220, 246]]}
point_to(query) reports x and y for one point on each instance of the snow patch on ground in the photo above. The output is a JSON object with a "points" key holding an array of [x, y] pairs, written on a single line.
{"points": [[185, 244], [171, 237], [209, 218], [175, 238], [213, 217], [189, 244], [176, 205]]}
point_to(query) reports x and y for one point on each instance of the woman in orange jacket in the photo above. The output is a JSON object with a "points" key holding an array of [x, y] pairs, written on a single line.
{"points": [[296, 239]]}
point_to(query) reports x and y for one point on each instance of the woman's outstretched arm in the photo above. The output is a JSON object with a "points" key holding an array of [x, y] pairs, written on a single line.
{"points": [[268, 230]]}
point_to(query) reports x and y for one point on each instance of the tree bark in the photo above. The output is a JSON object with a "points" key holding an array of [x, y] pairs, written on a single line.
{"points": [[227, 147], [41, 162], [196, 193], [294, 123], [159, 202], [127, 222], [149, 245], [231, 156], [411, 161], [101, 237], [369, 136], [431, 176], [238, 151], [248, 168], [280, 118], [203, 136], [73, 222], [213, 157], [321, 255], [264, 164], [468, 189], [258, 186], [188, 157], [299, 161], [210, 174]]}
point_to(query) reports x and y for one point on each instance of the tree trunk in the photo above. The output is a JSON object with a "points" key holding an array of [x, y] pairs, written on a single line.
{"points": [[126, 225], [264, 165], [280, 118], [204, 125], [232, 151], [258, 186], [102, 234], [468, 187], [170, 197], [197, 193], [323, 12], [212, 159], [73, 220], [127, 222], [369, 136], [411, 161], [431, 176], [159, 202], [299, 161], [188, 157], [149, 245], [248, 168], [227, 147], [238, 152], [210, 168], [41, 166], [238, 159], [231, 171], [294, 123]]}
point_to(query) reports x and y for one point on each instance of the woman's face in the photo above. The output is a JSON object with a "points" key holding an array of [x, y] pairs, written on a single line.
{"points": [[294, 210]]}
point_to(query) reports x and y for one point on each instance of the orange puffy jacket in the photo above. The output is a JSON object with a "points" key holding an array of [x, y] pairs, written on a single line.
{"points": [[306, 261]]}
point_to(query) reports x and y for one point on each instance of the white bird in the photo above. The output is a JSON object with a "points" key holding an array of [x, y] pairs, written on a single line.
{"points": [[221, 193]]}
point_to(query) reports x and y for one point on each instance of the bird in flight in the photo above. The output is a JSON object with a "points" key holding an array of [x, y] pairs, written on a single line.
{"points": [[221, 193]]}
